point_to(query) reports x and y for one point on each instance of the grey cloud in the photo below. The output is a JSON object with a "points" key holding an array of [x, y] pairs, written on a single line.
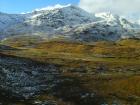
{"points": [[129, 8]]}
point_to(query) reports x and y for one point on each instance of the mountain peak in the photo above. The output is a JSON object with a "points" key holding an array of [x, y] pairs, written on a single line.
{"points": [[114, 20], [57, 6], [68, 15], [68, 20], [107, 16]]}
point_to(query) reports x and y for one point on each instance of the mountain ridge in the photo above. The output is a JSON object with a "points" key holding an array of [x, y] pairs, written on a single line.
{"points": [[69, 22]]}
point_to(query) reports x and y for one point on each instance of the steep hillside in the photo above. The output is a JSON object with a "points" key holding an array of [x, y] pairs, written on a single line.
{"points": [[68, 22]]}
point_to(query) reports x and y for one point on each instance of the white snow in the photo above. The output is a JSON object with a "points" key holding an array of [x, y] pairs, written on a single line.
{"points": [[57, 6], [68, 21]]}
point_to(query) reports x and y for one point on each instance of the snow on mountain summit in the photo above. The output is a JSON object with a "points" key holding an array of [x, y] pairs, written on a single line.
{"points": [[68, 21], [114, 20], [47, 21], [57, 6], [60, 16]]}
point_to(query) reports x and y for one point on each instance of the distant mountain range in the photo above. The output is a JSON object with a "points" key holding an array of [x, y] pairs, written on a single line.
{"points": [[68, 22]]}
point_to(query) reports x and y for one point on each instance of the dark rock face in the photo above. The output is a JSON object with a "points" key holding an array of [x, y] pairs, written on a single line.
{"points": [[23, 78]]}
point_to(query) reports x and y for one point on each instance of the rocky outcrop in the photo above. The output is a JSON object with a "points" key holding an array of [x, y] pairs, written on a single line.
{"points": [[23, 78]]}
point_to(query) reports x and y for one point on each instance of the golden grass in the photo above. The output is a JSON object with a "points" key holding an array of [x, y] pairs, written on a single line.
{"points": [[113, 55], [120, 58]]}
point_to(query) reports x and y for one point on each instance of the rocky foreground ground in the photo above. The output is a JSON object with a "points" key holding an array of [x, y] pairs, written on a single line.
{"points": [[23, 79]]}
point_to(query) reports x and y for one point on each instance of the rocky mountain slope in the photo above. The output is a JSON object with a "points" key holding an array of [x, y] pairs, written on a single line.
{"points": [[68, 22]]}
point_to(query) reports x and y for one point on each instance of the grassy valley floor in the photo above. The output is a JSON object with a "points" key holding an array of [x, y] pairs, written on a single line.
{"points": [[100, 73]]}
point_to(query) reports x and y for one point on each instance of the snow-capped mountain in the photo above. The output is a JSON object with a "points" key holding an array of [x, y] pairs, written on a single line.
{"points": [[70, 22], [113, 20], [59, 17]]}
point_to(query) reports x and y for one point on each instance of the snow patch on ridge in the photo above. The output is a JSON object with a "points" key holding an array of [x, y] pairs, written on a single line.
{"points": [[57, 6]]}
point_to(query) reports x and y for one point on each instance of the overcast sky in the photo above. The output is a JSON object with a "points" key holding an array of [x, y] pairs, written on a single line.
{"points": [[129, 8]]}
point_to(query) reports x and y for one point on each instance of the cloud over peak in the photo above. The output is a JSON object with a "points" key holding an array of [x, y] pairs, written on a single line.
{"points": [[129, 8]]}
